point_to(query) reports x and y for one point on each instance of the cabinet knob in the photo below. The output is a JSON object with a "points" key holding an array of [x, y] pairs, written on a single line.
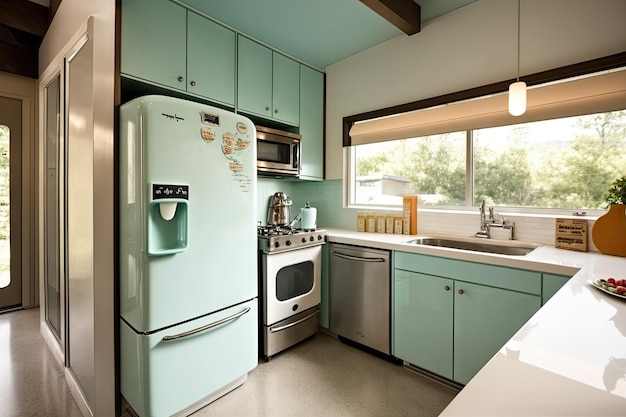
{"points": [[276, 111], [461, 291], [447, 288], [267, 109], [193, 83], [180, 79]]}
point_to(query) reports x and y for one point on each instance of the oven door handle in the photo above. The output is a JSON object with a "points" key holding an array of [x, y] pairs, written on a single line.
{"points": [[358, 258], [286, 326], [206, 327]]}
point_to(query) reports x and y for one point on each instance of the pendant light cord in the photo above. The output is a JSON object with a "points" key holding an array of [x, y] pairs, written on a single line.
{"points": [[518, 35]]}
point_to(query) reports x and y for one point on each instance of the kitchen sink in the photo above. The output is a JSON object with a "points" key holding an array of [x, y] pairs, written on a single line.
{"points": [[476, 246]]}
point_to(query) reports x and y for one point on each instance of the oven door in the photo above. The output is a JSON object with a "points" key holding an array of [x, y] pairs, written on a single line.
{"points": [[291, 282]]}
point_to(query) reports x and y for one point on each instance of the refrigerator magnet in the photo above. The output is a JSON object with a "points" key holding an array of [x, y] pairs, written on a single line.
{"points": [[208, 134]]}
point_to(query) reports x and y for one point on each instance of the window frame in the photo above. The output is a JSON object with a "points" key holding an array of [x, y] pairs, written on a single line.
{"points": [[469, 206], [559, 74]]}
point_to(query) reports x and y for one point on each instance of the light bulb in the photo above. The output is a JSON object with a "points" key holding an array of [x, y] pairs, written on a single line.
{"points": [[517, 98]]}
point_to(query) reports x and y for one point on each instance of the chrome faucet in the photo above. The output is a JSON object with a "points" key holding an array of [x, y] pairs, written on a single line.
{"points": [[486, 223], [484, 229]]}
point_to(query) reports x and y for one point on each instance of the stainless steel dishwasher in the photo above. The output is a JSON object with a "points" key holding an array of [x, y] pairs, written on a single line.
{"points": [[359, 284]]}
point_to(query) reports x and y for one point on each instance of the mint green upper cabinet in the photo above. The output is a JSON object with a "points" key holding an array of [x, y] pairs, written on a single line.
{"points": [[423, 321], [312, 123], [254, 77], [268, 83], [286, 89], [551, 284], [154, 41], [485, 318], [165, 44], [210, 59]]}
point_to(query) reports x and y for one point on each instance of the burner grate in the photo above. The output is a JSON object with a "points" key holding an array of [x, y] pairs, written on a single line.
{"points": [[281, 238]]}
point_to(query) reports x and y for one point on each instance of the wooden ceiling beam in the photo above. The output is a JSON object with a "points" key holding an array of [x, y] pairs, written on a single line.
{"points": [[24, 15], [23, 24], [17, 60], [406, 15]]}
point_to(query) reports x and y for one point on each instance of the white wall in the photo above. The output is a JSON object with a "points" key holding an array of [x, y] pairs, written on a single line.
{"points": [[71, 15], [472, 46]]}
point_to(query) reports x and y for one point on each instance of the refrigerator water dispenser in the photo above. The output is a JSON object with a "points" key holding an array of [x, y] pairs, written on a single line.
{"points": [[168, 223]]}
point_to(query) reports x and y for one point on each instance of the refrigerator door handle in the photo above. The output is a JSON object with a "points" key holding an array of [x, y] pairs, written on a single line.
{"points": [[206, 327], [286, 326]]}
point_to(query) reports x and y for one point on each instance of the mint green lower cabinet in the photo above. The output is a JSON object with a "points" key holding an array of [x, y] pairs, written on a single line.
{"points": [[423, 308], [452, 316], [485, 318], [551, 284]]}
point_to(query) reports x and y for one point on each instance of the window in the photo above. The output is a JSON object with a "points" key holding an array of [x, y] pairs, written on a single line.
{"points": [[565, 163]]}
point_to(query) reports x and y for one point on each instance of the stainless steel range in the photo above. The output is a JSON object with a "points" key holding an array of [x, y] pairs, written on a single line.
{"points": [[274, 239], [290, 283]]}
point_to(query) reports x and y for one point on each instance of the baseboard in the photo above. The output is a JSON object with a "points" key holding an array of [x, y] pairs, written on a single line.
{"points": [[77, 393], [53, 343], [372, 351], [438, 378]]}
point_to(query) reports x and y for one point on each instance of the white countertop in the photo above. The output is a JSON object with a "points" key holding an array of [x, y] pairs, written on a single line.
{"points": [[569, 359]]}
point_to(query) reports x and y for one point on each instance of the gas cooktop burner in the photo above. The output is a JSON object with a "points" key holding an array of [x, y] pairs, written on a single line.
{"points": [[281, 238], [276, 230]]}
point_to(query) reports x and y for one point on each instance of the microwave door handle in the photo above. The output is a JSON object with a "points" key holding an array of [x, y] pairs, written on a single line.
{"points": [[296, 156]]}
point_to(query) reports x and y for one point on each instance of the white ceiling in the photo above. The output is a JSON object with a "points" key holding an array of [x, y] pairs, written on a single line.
{"points": [[317, 32]]}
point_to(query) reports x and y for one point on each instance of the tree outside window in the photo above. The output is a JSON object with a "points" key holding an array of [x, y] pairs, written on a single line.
{"points": [[564, 163]]}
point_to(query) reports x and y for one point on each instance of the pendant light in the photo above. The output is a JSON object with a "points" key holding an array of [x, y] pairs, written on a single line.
{"points": [[517, 90]]}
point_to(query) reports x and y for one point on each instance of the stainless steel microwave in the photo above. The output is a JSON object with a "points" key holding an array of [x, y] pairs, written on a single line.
{"points": [[278, 152]]}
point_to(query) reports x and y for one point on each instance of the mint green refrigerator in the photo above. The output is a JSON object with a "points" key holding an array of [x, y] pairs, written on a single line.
{"points": [[188, 254]]}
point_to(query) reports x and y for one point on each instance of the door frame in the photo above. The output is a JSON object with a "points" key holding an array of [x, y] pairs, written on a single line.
{"points": [[11, 117], [25, 90]]}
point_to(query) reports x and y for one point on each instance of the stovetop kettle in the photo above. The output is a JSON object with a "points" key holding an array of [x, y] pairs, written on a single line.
{"points": [[278, 212]]}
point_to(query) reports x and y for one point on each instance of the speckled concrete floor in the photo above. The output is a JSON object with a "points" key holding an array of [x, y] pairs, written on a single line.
{"points": [[31, 382], [318, 377], [324, 377]]}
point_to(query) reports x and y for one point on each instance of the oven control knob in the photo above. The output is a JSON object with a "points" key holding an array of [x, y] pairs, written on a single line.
{"points": [[295, 307], [304, 240], [311, 238], [319, 237], [276, 244], [288, 243]]}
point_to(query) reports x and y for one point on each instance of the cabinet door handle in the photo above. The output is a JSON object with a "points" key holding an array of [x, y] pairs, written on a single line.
{"points": [[180, 79], [461, 291], [193, 83], [447, 288]]}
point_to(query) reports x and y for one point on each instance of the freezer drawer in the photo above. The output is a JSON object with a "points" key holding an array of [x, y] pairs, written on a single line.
{"points": [[359, 292], [171, 372]]}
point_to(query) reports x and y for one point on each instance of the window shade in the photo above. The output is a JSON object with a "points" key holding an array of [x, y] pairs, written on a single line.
{"points": [[595, 93]]}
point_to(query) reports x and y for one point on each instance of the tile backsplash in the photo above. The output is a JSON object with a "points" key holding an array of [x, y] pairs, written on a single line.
{"points": [[327, 197]]}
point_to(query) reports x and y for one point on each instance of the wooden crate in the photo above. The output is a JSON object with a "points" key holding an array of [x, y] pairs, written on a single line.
{"points": [[571, 234]]}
